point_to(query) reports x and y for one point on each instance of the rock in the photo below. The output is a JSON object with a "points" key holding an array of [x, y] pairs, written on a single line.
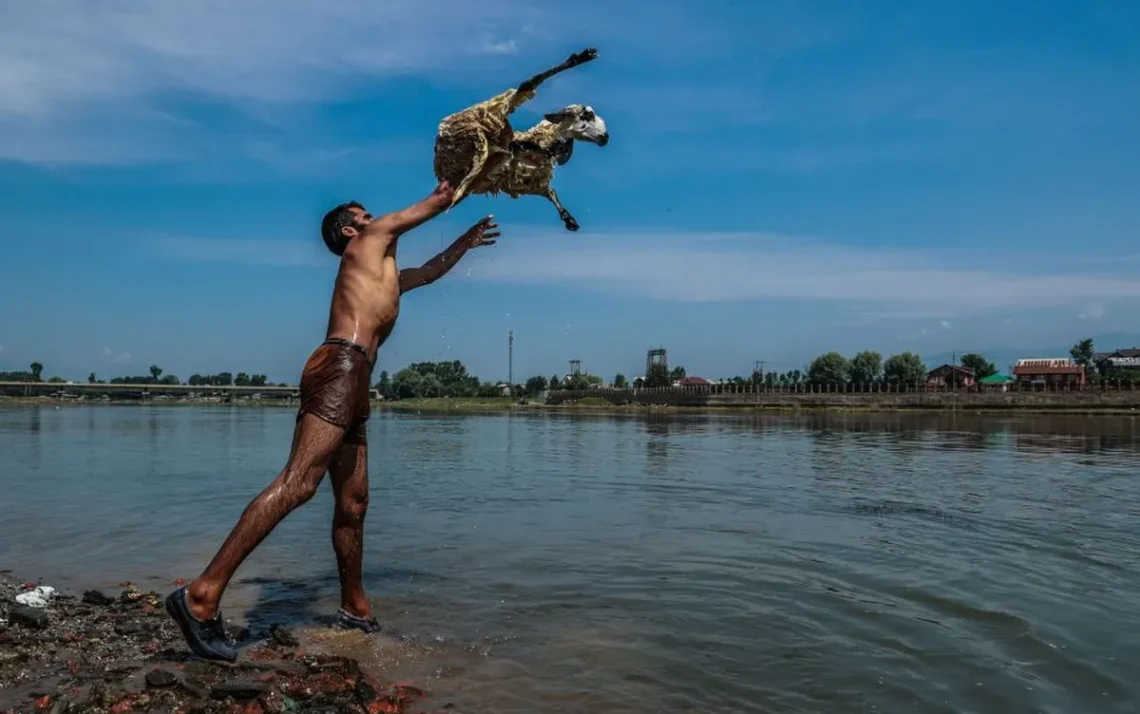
{"points": [[159, 678], [239, 689], [25, 616], [124, 626], [283, 637], [95, 597]]}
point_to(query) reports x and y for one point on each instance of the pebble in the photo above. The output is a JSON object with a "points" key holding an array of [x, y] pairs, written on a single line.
{"points": [[159, 677], [25, 616], [120, 655], [95, 597]]}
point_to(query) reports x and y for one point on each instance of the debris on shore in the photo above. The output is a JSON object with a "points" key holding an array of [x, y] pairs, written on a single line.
{"points": [[113, 654]]}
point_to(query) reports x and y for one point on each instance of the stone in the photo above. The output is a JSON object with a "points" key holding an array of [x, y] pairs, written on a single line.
{"points": [[31, 617], [125, 626], [159, 677], [94, 597], [238, 689], [283, 637]]}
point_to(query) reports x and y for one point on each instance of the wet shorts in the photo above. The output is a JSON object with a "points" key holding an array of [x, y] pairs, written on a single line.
{"points": [[335, 387]]}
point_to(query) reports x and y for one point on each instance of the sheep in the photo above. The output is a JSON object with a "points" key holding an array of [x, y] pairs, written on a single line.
{"points": [[478, 152]]}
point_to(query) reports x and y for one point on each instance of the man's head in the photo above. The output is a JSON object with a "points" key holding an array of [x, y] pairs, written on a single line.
{"points": [[342, 224], [579, 121]]}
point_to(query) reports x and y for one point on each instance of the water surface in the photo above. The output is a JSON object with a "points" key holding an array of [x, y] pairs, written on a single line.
{"points": [[849, 563]]}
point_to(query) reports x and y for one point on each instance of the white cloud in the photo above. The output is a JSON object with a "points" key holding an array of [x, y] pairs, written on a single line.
{"points": [[945, 324], [731, 267], [93, 81], [708, 268], [263, 50], [280, 253], [1095, 311], [119, 358]]}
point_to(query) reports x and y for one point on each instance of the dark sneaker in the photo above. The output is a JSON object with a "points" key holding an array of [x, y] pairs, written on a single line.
{"points": [[206, 639], [349, 621]]}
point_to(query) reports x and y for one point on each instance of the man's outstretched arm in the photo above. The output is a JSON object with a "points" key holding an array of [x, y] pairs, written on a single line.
{"points": [[399, 222], [482, 233]]}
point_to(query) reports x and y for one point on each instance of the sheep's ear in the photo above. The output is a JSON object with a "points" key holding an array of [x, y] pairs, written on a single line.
{"points": [[557, 117]]}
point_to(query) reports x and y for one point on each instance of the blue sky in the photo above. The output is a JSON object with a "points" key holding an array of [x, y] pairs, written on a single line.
{"points": [[783, 178]]}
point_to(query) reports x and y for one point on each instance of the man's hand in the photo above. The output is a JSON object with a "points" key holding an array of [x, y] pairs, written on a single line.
{"points": [[482, 233], [400, 222], [440, 198]]}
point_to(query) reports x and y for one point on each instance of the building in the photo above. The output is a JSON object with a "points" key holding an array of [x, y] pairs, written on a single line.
{"points": [[693, 382], [1049, 372], [996, 382], [949, 375], [1111, 364]]}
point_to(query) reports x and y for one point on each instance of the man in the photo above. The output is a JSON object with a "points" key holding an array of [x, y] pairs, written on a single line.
{"points": [[330, 431]]}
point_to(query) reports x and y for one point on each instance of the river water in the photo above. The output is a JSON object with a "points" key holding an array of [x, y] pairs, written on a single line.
{"points": [[550, 563]]}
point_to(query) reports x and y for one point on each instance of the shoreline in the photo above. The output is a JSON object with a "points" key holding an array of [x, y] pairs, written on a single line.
{"points": [[120, 652], [1072, 404]]}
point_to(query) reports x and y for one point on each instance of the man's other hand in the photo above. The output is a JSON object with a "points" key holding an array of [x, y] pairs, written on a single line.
{"points": [[482, 233]]}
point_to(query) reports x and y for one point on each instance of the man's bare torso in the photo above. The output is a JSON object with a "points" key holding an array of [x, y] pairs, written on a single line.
{"points": [[366, 297]]}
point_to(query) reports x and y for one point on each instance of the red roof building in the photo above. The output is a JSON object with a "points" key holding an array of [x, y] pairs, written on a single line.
{"points": [[1049, 371]]}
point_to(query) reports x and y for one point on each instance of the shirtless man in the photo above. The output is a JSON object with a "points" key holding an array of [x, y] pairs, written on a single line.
{"points": [[330, 431]]}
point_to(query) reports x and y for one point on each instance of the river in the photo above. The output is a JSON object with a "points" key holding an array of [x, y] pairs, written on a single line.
{"points": [[612, 563]]}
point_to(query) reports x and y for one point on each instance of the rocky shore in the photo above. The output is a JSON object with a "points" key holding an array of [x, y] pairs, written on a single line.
{"points": [[119, 652]]}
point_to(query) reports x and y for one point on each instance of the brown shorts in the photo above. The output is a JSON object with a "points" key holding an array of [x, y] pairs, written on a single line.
{"points": [[335, 387]]}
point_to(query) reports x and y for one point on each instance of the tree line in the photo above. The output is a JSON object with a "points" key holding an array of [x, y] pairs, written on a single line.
{"points": [[156, 376], [452, 379]]}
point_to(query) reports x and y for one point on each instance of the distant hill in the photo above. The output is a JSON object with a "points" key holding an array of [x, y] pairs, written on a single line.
{"points": [[1004, 357]]}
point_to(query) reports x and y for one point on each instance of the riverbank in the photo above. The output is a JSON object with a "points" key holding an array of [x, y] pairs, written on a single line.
{"points": [[1125, 402], [119, 652]]}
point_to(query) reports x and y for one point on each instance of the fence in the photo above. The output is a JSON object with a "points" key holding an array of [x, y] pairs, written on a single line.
{"points": [[879, 395]]}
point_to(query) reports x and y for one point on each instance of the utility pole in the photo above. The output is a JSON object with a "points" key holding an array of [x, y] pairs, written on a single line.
{"points": [[758, 367], [511, 362]]}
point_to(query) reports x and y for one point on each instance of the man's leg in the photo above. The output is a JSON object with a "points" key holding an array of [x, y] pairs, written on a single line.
{"points": [[315, 441], [349, 476]]}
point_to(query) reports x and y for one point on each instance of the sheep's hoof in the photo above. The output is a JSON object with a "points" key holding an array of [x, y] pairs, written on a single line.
{"points": [[571, 224], [583, 57]]}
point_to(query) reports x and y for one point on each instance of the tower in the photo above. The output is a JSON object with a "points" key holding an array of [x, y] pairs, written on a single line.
{"points": [[575, 367], [654, 357]]}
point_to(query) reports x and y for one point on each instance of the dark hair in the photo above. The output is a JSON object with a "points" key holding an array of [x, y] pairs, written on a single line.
{"points": [[331, 225]]}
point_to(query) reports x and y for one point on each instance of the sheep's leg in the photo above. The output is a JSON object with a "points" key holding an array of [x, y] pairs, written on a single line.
{"points": [[567, 219], [527, 87], [482, 153]]}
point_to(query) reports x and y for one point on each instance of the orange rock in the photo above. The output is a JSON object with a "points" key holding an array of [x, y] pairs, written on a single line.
{"points": [[43, 703], [125, 705]]}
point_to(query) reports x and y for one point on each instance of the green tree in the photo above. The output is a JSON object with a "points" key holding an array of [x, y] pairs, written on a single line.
{"points": [[657, 376], [384, 386], [258, 380], [771, 379], [169, 379], [91, 378], [1082, 353], [978, 365], [155, 373], [241, 380], [866, 367], [677, 374], [619, 381], [578, 382], [904, 369], [556, 382], [57, 380], [37, 371], [536, 385], [830, 368]]}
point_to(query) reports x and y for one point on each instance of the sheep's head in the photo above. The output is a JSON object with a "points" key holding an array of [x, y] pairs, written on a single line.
{"points": [[578, 121]]}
